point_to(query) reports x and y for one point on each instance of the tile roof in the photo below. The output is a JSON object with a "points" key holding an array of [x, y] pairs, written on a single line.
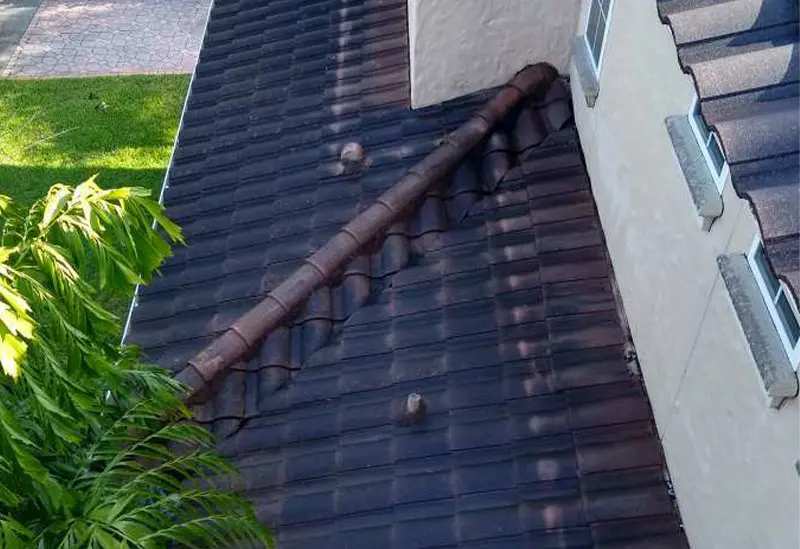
{"points": [[743, 55], [534, 433], [387, 225], [491, 298]]}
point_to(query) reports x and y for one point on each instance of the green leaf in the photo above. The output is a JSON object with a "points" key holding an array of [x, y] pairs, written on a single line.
{"points": [[12, 349], [5, 252], [105, 540], [14, 323], [56, 200], [13, 535], [12, 298], [44, 400], [95, 449]]}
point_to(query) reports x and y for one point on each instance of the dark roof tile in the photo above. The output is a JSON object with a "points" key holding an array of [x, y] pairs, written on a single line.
{"points": [[640, 533], [490, 297]]}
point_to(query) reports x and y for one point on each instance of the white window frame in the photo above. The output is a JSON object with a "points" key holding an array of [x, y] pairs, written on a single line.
{"points": [[722, 176], [599, 64], [792, 350]]}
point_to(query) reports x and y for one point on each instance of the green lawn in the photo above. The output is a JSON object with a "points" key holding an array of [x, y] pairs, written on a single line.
{"points": [[65, 130]]}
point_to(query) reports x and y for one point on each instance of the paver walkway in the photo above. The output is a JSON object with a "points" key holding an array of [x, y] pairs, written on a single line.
{"points": [[15, 16], [83, 37]]}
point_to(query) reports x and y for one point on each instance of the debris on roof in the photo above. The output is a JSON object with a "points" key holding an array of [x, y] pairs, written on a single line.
{"points": [[307, 294], [460, 380]]}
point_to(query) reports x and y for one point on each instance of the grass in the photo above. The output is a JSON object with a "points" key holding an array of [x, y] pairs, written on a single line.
{"points": [[65, 130]]}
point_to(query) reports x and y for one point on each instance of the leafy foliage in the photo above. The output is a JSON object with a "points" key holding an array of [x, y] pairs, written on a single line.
{"points": [[95, 447]]}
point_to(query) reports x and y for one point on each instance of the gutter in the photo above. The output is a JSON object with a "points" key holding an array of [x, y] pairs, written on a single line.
{"points": [[164, 184], [244, 336]]}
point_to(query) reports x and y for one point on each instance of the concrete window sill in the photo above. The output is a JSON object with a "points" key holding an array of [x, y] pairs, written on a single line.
{"points": [[583, 65], [777, 375], [702, 188]]}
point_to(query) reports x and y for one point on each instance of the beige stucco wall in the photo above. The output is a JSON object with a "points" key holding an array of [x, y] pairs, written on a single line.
{"points": [[731, 457], [461, 46]]}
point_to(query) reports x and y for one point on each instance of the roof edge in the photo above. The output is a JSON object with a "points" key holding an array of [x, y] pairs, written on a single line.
{"points": [[239, 341], [664, 15]]}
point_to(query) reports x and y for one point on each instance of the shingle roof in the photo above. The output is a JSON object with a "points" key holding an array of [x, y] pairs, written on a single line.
{"points": [[491, 298], [743, 55]]}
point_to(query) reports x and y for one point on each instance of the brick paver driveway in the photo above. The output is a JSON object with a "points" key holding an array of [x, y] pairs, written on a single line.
{"points": [[81, 37]]}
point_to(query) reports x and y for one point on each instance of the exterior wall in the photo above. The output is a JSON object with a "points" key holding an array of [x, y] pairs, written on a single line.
{"points": [[461, 46], [731, 457]]}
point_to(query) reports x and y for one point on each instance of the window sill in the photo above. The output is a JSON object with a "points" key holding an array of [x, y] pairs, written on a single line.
{"points": [[702, 188], [776, 373], [583, 65]]}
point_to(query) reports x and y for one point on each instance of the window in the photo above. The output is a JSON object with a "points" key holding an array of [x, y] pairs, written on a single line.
{"points": [[709, 145], [597, 30], [779, 301]]}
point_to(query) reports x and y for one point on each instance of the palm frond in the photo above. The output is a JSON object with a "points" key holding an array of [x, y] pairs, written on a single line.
{"points": [[97, 449], [146, 481]]}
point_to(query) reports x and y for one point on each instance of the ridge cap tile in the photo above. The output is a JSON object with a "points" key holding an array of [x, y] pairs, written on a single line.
{"points": [[439, 303]]}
